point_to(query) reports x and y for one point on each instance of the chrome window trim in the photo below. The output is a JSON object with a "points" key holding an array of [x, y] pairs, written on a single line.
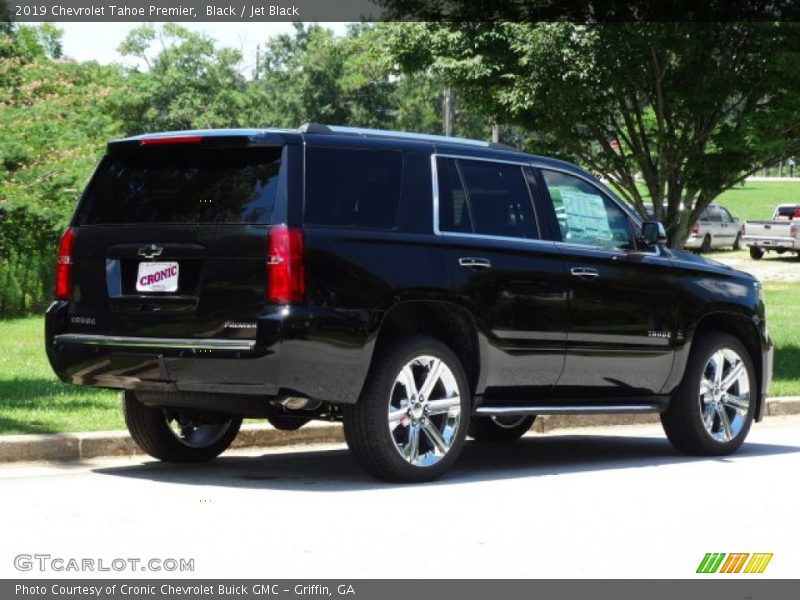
{"points": [[85, 339], [482, 236]]}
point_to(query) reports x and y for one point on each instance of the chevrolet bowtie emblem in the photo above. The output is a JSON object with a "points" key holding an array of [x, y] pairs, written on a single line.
{"points": [[150, 251]]}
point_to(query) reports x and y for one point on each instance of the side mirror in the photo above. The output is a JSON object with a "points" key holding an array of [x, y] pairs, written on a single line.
{"points": [[653, 233]]}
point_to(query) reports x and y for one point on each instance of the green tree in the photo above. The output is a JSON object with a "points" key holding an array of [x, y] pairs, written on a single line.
{"points": [[189, 83], [689, 108], [62, 114], [312, 75]]}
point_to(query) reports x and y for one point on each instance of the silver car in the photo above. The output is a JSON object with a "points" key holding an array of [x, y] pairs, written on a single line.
{"points": [[716, 228]]}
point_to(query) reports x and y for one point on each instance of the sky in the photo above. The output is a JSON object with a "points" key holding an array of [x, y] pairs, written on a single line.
{"points": [[99, 41]]}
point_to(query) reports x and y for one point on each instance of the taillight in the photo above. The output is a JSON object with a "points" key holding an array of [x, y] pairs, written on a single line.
{"points": [[285, 271], [695, 229], [64, 265], [797, 212], [793, 230]]}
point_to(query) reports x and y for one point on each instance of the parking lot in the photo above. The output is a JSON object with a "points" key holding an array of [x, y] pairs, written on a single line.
{"points": [[604, 502]]}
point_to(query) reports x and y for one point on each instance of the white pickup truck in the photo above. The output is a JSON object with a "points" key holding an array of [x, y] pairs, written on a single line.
{"points": [[780, 234]]}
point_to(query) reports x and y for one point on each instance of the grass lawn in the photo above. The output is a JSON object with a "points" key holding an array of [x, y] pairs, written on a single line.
{"points": [[32, 400], [756, 200], [783, 307]]}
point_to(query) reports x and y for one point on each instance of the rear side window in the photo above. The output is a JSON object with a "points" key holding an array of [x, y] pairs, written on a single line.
{"points": [[453, 208], [487, 198], [198, 185], [353, 188]]}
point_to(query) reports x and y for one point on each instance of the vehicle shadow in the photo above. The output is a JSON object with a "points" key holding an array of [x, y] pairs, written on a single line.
{"points": [[336, 470]]}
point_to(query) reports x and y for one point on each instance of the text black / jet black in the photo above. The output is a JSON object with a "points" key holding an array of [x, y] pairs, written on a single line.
{"points": [[418, 288]]}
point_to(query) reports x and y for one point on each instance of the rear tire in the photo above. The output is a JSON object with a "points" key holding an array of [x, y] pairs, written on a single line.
{"points": [[410, 423], [706, 245], [737, 243], [178, 436], [499, 429], [756, 253], [712, 410]]}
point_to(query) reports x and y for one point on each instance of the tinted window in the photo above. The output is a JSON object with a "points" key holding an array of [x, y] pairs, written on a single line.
{"points": [[714, 214], [353, 188], [498, 198], [787, 212], [585, 215], [726, 215], [166, 185], [453, 209]]}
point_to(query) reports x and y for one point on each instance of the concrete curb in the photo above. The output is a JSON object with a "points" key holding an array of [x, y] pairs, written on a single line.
{"points": [[71, 447]]}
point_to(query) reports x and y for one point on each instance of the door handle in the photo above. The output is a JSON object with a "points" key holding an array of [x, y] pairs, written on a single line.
{"points": [[473, 262], [584, 272]]}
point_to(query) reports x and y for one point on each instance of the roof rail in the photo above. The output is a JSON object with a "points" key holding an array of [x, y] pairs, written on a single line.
{"points": [[402, 135]]}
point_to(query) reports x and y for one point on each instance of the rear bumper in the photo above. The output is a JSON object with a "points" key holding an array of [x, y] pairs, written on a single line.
{"points": [[293, 351], [693, 241], [771, 243]]}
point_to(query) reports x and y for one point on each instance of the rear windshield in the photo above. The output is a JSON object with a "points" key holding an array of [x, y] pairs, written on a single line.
{"points": [[788, 212], [168, 185]]}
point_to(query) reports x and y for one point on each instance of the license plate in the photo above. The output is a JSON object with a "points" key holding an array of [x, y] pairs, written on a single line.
{"points": [[157, 277]]}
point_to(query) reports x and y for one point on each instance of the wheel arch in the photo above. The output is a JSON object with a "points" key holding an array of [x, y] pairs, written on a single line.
{"points": [[742, 328], [448, 322]]}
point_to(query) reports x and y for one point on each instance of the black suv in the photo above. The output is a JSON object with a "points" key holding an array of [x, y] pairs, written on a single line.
{"points": [[418, 288]]}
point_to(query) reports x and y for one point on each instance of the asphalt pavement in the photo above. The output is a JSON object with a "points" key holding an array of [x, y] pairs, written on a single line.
{"points": [[599, 502]]}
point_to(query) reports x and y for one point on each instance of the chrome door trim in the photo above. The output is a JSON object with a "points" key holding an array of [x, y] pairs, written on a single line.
{"points": [[585, 409]]}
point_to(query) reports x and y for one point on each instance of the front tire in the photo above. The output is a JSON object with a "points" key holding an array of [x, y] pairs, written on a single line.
{"points": [[410, 423], [756, 253], [499, 429], [713, 408], [178, 436]]}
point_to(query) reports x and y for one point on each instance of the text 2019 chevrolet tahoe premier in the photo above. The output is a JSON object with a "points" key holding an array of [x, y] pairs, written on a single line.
{"points": [[420, 289]]}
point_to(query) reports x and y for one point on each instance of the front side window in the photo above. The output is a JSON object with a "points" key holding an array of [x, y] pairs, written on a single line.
{"points": [[485, 198], [585, 215], [714, 214]]}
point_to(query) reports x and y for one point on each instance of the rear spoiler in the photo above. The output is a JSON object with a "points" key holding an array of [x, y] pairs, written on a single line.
{"points": [[191, 139]]}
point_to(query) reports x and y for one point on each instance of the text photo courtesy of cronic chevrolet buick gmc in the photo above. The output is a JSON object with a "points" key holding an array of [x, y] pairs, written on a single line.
{"points": [[420, 289]]}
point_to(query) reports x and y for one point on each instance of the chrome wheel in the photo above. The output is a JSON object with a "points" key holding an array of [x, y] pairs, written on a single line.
{"points": [[724, 395], [508, 421], [424, 411], [194, 433]]}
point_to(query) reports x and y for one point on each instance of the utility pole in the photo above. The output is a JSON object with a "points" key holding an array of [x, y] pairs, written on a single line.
{"points": [[449, 111], [495, 132], [258, 62]]}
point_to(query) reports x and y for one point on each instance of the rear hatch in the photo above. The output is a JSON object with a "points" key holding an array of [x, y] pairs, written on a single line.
{"points": [[170, 239]]}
